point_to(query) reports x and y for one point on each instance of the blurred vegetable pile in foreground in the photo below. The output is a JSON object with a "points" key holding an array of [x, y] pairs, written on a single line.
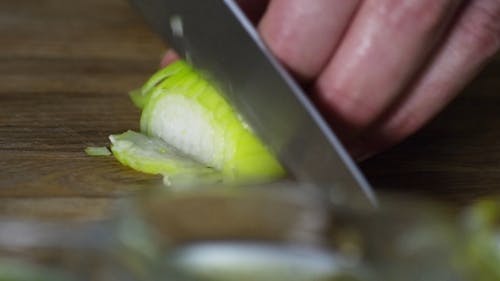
{"points": [[268, 233]]}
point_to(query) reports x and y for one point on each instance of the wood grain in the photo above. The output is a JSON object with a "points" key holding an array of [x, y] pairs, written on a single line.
{"points": [[66, 68]]}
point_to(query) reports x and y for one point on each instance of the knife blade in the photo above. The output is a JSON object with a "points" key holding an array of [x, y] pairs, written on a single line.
{"points": [[216, 38]]}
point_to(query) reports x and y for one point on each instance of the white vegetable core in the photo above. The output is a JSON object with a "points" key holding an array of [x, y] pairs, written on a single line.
{"points": [[188, 126]]}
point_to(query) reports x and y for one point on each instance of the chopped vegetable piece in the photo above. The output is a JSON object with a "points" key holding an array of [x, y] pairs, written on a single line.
{"points": [[191, 135], [184, 110], [97, 151], [153, 156]]}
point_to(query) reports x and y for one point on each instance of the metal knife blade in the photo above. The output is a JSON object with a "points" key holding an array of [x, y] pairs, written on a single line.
{"points": [[217, 38]]}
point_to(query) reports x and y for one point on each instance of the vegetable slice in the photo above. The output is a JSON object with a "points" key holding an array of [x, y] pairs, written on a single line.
{"points": [[187, 112], [191, 135], [154, 156]]}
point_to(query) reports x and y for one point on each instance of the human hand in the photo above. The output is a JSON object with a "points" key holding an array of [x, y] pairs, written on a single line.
{"points": [[379, 70]]}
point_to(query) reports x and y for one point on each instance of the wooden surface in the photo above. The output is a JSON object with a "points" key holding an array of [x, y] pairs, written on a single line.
{"points": [[66, 68]]}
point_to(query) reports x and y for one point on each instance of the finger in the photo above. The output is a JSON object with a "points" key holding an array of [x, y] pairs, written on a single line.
{"points": [[169, 57], [384, 47], [304, 33], [474, 39], [254, 9]]}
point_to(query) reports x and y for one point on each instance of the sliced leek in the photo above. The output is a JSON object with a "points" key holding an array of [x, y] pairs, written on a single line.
{"points": [[189, 128], [154, 156]]}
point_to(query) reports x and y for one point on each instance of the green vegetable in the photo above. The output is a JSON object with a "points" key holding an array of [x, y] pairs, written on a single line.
{"points": [[97, 151], [192, 120], [140, 97], [154, 156], [482, 247]]}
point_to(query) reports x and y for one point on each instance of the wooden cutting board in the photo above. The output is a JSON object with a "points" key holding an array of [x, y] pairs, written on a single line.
{"points": [[66, 68]]}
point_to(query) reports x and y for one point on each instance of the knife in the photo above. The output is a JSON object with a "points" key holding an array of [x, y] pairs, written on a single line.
{"points": [[216, 38]]}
